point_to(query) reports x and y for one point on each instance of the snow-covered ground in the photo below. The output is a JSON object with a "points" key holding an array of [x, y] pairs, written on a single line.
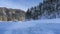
{"points": [[47, 26]]}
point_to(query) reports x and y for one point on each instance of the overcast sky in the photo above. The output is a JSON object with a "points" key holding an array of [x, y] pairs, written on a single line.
{"points": [[19, 4]]}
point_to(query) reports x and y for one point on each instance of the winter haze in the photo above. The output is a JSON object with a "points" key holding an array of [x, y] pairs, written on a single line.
{"points": [[19, 4], [42, 17]]}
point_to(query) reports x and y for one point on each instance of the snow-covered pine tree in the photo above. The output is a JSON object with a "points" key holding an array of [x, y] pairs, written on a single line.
{"points": [[49, 9]]}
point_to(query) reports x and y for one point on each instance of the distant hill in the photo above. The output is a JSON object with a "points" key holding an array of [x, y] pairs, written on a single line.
{"points": [[8, 14], [49, 9]]}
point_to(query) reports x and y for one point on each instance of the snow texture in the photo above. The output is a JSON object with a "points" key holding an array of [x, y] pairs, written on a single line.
{"points": [[47, 26]]}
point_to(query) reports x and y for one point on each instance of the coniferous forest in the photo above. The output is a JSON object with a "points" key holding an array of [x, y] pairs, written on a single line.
{"points": [[49, 9]]}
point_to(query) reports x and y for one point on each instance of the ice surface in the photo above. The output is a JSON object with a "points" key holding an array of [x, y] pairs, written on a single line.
{"points": [[47, 26]]}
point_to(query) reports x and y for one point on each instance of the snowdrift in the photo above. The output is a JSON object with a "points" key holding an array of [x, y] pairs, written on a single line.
{"points": [[47, 26]]}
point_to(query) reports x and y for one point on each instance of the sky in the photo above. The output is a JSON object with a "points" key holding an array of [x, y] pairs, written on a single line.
{"points": [[19, 4]]}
